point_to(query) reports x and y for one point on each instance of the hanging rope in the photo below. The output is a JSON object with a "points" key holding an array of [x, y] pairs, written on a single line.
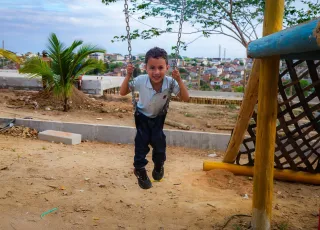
{"points": [[134, 102], [171, 87]]}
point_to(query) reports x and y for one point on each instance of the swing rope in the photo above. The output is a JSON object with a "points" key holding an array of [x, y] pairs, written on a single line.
{"points": [[171, 87]]}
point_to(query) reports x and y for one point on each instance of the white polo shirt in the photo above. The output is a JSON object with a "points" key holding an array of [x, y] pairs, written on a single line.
{"points": [[150, 102]]}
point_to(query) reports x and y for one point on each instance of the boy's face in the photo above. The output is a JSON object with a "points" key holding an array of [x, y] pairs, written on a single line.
{"points": [[157, 69]]}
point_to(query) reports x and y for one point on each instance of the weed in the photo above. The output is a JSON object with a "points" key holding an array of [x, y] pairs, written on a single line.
{"points": [[236, 227], [283, 226], [232, 106], [188, 115]]}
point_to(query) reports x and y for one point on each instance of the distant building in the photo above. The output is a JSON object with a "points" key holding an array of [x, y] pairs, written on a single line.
{"points": [[216, 82], [97, 56], [214, 71]]}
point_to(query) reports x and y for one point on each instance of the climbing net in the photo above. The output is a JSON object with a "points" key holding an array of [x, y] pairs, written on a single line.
{"points": [[298, 128]]}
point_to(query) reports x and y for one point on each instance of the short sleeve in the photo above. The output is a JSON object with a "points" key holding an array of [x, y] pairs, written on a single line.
{"points": [[137, 82]]}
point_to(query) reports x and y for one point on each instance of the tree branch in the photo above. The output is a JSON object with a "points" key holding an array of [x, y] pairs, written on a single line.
{"points": [[244, 42], [253, 28]]}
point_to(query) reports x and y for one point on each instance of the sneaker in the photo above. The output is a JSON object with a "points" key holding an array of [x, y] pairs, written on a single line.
{"points": [[143, 179], [158, 172]]}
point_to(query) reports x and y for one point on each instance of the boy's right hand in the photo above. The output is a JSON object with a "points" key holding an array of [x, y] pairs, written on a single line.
{"points": [[130, 69]]}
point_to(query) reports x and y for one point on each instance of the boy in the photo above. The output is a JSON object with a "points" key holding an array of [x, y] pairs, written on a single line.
{"points": [[153, 90]]}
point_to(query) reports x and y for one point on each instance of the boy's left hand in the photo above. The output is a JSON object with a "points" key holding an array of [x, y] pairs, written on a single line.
{"points": [[176, 75]]}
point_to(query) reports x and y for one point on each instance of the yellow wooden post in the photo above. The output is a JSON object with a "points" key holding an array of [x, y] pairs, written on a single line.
{"points": [[266, 125]]}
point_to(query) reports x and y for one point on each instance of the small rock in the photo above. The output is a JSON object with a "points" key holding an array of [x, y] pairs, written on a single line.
{"points": [[212, 155], [245, 196], [124, 111], [120, 116], [102, 185], [116, 110], [86, 179], [276, 207], [315, 214], [250, 178], [99, 118], [230, 181], [47, 108], [208, 125], [49, 178], [105, 110], [64, 193]]}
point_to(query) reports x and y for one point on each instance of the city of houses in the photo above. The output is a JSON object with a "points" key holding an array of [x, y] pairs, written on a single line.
{"points": [[199, 73]]}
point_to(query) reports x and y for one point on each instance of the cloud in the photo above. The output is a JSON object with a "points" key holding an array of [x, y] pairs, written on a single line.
{"points": [[27, 25]]}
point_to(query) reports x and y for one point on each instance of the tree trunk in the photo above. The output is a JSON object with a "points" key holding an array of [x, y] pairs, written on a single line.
{"points": [[65, 106]]}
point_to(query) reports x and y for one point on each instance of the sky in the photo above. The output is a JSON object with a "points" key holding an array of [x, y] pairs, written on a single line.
{"points": [[25, 26]]}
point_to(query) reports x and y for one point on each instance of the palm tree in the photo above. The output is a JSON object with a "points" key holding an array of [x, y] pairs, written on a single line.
{"points": [[66, 66], [9, 55]]}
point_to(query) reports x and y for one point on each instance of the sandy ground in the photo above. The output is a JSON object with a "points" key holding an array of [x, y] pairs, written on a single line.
{"points": [[207, 118], [92, 187]]}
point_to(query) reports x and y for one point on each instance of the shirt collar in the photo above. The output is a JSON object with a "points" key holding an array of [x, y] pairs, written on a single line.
{"points": [[165, 83]]}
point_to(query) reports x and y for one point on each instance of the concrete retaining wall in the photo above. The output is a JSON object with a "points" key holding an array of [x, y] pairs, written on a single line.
{"points": [[125, 135], [90, 84], [20, 83]]}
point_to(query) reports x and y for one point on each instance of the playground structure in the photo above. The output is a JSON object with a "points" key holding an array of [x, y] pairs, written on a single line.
{"points": [[284, 133]]}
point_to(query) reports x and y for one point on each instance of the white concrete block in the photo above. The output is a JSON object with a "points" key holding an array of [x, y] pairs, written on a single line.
{"points": [[58, 136]]}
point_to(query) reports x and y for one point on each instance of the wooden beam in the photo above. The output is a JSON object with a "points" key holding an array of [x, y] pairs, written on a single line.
{"points": [[245, 113], [266, 123], [283, 175], [292, 41]]}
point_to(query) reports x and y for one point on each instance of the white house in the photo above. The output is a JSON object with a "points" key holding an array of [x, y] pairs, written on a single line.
{"points": [[214, 71], [216, 83], [97, 56], [226, 86]]}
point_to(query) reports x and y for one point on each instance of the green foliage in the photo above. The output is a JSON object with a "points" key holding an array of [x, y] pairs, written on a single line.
{"points": [[67, 65], [241, 63], [9, 55], [236, 19], [239, 89], [303, 84], [137, 71], [205, 86], [182, 70], [114, 65]]}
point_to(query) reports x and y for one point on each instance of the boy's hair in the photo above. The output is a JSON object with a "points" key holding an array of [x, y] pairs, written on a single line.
{"points": [[156, 52]]}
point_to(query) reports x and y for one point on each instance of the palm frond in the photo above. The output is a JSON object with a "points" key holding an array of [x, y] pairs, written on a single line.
{"points": [[83, 53], [36, 67], [56, 49], [89, 65], [9, 55]]}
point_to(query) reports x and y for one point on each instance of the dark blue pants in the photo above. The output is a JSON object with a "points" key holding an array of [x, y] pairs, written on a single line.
{"points": [[149, 132]]}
